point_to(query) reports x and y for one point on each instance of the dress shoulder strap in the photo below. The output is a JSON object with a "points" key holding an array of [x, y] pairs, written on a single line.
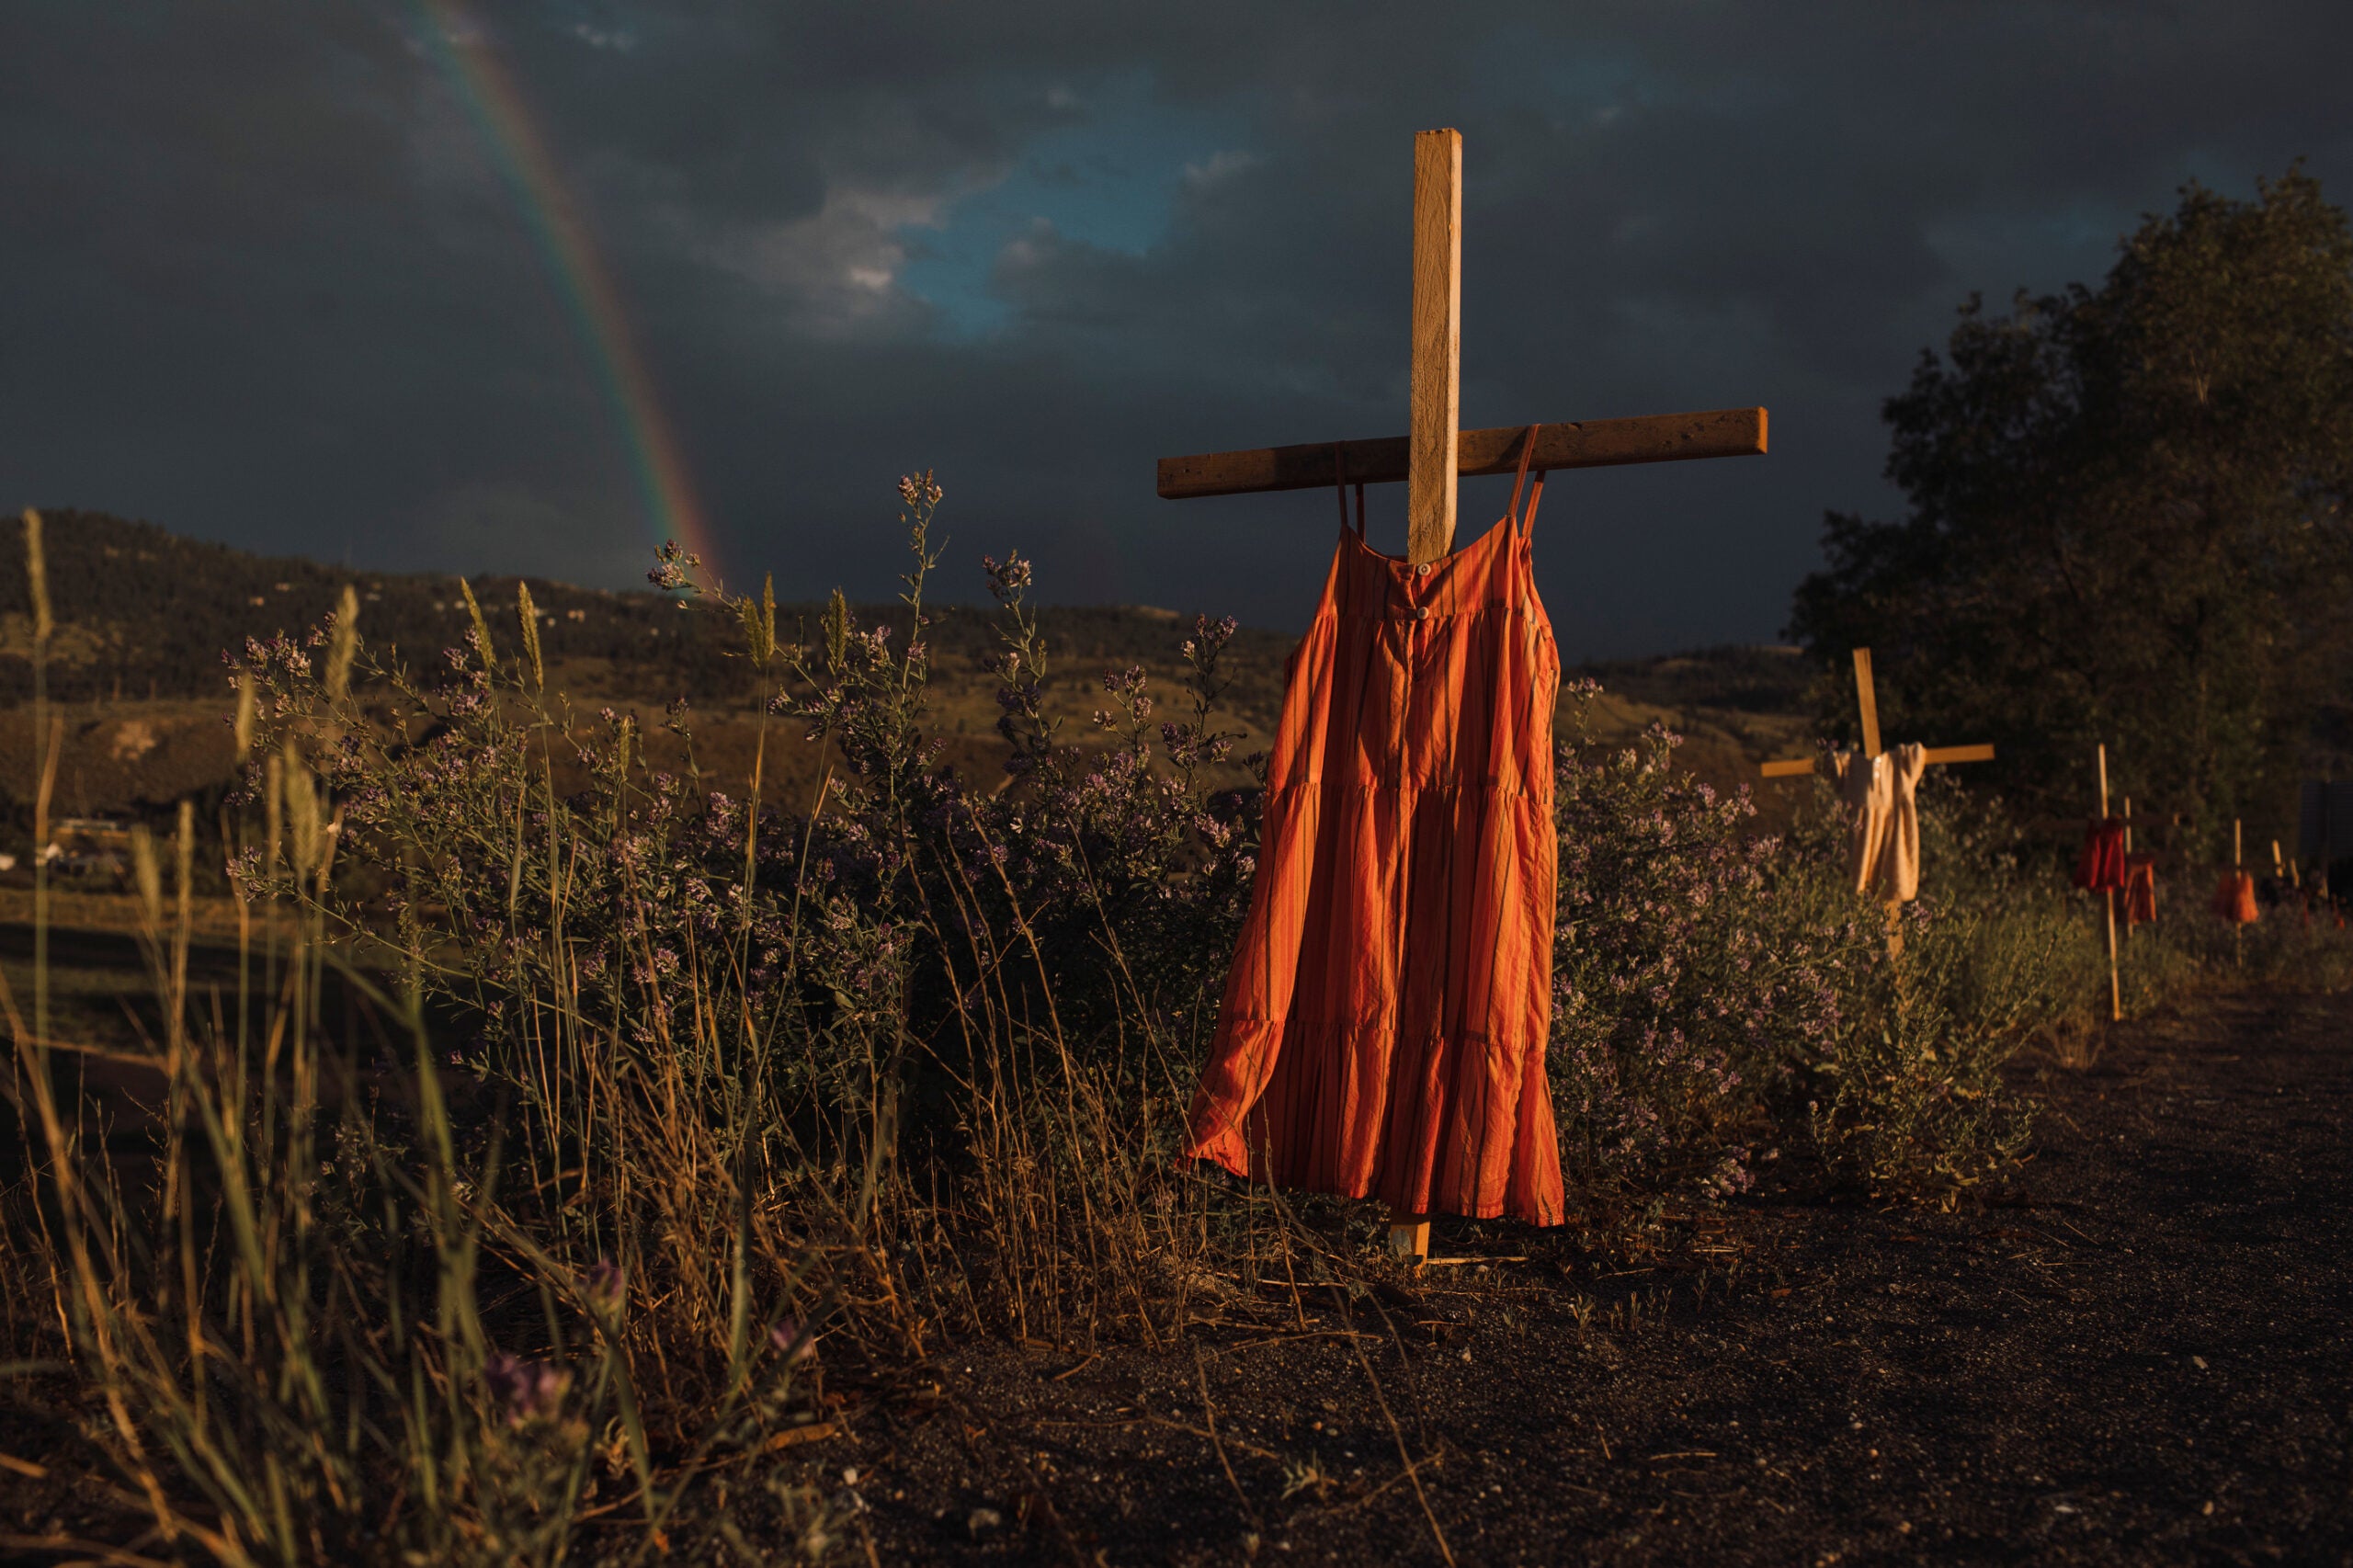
{"points": [[1340, 488], [1525, 521]]}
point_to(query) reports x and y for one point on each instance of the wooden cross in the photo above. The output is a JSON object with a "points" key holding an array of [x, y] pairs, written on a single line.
{"points": [[1435, 452], [2130, 818], [1868, 697]]}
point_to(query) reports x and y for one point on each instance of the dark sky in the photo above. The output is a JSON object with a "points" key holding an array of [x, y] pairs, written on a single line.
{"points": [[266, 274]]}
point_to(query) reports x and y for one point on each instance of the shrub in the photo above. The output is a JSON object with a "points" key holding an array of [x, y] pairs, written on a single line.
{"points": [[1683, 986]]}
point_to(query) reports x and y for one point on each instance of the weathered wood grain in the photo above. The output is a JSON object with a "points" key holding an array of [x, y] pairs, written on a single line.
{"points": [[1591, 443], [1434, 419]]}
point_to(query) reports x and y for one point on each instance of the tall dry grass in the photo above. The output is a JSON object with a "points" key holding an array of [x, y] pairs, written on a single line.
{"points": [[613, 1172]]}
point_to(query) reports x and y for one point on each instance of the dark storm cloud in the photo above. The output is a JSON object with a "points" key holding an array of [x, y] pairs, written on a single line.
{"points": [[260, 278]]}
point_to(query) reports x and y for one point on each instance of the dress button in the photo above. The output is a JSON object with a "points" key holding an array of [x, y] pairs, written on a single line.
{"points": [[1421, 612], [1423, 570]]}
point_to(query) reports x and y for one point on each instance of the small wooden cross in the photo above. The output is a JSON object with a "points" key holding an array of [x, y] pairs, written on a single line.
{"points": [[1868, 697], [2144, 817], [1869, 700], [1435, 452]]}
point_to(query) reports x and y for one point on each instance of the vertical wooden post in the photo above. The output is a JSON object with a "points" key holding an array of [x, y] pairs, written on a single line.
{"points": [[1436, 417], [2238, 932], [1409, 1238], [2115, 982], [2128, 865], [1868, 699], [1435, 422]]}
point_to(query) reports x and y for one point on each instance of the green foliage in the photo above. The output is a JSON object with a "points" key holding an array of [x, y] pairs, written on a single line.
{"points": [[1723, 1000], [2128, 517], [1685, 981], [1911, 1095]]}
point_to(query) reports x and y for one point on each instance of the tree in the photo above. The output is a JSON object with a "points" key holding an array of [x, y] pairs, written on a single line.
{"points": [[2128, 517]]}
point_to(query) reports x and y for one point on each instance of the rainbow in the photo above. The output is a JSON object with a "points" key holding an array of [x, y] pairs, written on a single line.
{"points": [[494, 102]]}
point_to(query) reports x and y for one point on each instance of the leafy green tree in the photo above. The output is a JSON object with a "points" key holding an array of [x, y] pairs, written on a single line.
{"points": [[2128, 519]]}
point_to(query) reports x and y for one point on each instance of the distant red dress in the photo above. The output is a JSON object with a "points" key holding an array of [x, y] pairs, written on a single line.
{"points": [[2140, 888], [2100, 869], [2235, 899], [1385, 1021]]}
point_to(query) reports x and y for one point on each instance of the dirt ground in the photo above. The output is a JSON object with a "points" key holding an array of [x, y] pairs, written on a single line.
{"points": [[2134, 1353]]}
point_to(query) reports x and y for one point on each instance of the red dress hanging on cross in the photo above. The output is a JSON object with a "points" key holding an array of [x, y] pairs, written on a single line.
{"points": [[1385, 1021]]}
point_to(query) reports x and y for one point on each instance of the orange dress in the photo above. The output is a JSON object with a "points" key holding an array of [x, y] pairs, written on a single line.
{"points": [[1385, 1020], [2235, 899]]}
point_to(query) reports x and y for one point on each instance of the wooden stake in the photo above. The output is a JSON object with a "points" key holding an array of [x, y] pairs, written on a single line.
{"points": [[1869, 700], [2238, 932], [2128, 859], [1434, 424], [1409, 1238], [2115, 981], [1434, 420]]}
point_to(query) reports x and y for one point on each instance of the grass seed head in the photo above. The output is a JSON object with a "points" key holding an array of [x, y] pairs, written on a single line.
{"points": [[273, 809], [301, 811], [527, 614], [184, 858], [37, 573], [481, 626], [759, 625], [346, 646], [245, 710], [149, 873]]}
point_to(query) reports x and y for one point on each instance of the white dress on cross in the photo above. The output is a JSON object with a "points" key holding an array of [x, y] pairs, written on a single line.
{"points": [[1884, 839]]}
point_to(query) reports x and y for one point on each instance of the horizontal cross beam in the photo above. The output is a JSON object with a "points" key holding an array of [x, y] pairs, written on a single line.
{"points": [[1797, 766], [1594, 443]]}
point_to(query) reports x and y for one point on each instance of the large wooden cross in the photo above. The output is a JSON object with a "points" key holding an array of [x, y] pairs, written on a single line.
{"points": [[1435, 452]]}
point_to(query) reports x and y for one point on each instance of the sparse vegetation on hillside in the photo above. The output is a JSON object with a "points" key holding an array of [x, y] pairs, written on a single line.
{"points": [[144, 612]]}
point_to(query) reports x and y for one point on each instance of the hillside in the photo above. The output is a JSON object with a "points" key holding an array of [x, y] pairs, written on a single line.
{"points": [[144, 616]]}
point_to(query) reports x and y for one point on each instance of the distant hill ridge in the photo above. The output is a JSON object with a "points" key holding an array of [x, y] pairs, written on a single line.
{"points": [[145, 616], [143, 611]]}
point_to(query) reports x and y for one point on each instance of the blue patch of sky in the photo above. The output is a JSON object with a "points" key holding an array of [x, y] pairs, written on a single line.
{"points": [[1108, 175]]}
